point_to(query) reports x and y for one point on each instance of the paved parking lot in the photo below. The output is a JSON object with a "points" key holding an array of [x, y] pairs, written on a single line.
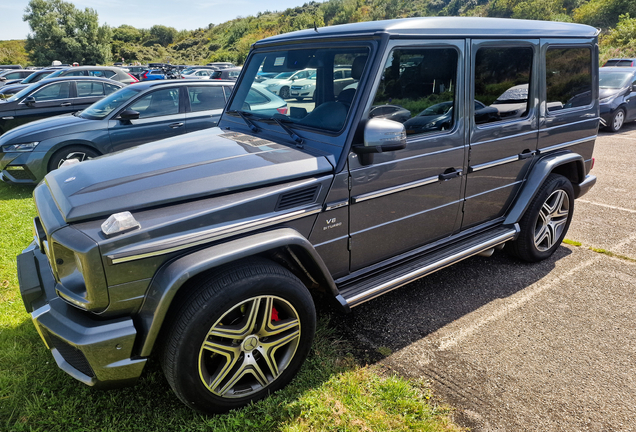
{"points": [[520, 347]]}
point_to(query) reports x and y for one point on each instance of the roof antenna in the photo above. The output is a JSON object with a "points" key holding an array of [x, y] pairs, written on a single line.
{"points": [[315, 28]]}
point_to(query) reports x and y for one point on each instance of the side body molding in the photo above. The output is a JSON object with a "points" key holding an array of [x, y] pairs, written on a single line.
{"points": [[169, 279], [538, 174]]}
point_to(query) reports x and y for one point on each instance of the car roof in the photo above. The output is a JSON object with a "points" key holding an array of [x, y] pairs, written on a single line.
{"points": [[618, 69], [175, 83], [445, 26], [91, 67], [79, 78]]}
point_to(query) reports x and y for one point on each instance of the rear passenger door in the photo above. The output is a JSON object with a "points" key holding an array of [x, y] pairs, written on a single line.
{"points": [[399, 202], [88, 92], [503, 134], [161, 115], [204, 107]]}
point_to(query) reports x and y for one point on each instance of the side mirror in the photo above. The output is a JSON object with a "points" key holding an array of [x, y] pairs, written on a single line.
{"points": [[29, 101], [129, 115], [3, 78], [382, 135]]}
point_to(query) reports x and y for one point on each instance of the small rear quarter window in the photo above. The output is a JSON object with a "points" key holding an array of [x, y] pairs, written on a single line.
{"points": [[568, 77]]}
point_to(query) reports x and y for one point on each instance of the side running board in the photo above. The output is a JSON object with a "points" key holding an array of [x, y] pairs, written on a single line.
{"points": [[366, 288]]}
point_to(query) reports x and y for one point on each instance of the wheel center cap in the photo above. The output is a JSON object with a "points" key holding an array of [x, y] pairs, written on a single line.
{"points": [[250, 343]]}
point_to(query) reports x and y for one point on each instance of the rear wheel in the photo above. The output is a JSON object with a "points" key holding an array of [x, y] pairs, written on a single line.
{"points": [[243, 334], [617, 121], [546, 221], [72, 152]]}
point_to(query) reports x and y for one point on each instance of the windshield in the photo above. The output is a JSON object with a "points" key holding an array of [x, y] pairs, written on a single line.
{"points": [[19, 95], [613, 80], [324, 104], [102, 108], [34, 77]]}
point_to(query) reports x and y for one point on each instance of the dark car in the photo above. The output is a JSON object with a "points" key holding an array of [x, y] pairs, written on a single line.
{"points": [[51, 97], [131, 116], [226, 74], [18, 84], [206, 251], [620, 62], [11, 75], [390, 112], [617, 94], [114, 73]]}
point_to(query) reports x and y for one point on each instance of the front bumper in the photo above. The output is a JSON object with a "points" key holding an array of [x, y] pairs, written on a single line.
{"points": [[94, 351], [20, 167]]}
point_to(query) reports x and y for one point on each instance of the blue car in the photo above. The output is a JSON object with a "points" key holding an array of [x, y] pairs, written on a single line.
{"points": [[152, 75], [134, 115]]}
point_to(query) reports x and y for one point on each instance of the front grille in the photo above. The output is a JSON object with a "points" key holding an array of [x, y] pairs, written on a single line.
{"points": [[72, 355], [297, 198], [296, 87], [19, 172]]}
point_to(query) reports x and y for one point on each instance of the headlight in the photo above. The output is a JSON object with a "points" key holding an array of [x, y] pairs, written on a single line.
{"points": [[271, 86], [306, 86], [26, 147], [607, 99], [431, 124]]}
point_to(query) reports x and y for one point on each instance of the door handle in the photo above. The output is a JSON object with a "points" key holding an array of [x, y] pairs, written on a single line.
{"points": [[449, 174], [66, 104], [526, 154], [176, 125]]}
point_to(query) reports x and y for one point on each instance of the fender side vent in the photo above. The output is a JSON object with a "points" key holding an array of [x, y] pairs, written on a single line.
{"points": [[297, 198]]}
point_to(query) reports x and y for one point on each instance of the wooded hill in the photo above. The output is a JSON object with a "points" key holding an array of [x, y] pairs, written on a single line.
{"points": [[231, 40]]}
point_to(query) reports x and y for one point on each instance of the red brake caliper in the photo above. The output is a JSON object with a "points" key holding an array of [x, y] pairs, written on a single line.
{"points": [[275, 315]]}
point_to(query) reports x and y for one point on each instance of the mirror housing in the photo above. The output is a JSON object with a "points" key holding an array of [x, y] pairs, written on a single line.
{"points": [[129, 115], [382, 135], [29, 101]]}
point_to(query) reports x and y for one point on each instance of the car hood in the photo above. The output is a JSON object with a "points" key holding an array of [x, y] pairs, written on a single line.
{"points": [[607, 92], [276, 81], [187, 167], [40, 130]]}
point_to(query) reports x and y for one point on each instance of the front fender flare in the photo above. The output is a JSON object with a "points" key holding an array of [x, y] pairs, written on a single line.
{"points": [[170, 278], [538, 174]]}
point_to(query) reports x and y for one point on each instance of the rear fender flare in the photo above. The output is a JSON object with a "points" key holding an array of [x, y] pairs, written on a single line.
{"points": [[170, 278], [572, 166]]}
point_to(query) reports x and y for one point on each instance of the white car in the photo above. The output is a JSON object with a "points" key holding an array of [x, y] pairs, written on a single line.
{"points": [[198, 74], [304, 88], [281, 84]]}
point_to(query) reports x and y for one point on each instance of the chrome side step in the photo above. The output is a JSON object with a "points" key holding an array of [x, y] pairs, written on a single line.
{"points": [[366, 288]]}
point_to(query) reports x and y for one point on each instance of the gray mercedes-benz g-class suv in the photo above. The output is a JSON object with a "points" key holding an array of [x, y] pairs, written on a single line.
{"points": [[203, 249]]}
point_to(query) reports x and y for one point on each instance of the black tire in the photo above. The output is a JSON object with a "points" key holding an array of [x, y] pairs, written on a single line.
{"points": [[201, 362], [545, 222], [617, 121], [284, 93], [71, 152]]}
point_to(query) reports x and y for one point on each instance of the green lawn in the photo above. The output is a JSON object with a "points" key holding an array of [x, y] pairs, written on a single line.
{"points": [[331, 393]]}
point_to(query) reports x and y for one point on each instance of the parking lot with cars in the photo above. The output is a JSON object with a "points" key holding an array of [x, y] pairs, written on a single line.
{"points": [[518, 347]]}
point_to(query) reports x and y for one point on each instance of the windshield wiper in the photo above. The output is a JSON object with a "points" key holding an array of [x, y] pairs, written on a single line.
{"points": [[248, 122], [299, 141]]}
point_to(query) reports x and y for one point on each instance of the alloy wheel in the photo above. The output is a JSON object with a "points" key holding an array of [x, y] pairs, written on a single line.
{"points": [[619, 118], [552, 220], [249, 346], [80, 156]]}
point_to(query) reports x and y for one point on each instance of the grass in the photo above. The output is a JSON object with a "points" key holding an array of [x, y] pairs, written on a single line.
{"points": [[332, 392], [599, 250]]}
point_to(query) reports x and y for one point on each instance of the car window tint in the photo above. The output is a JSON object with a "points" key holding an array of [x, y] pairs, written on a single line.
{"points": [[75, 73], [109, 73], [568, 77], [206, 98], [110, 88], [13, 75], [233, 74], [255, 97], [53, 92], [502, 81], [158, 103], [418, 89], [89, 88]]}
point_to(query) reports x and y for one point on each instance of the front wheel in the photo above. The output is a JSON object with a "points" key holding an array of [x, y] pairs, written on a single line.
{"points": [[284, 93], [72, 152], [242, 334], [546, 221], [616, 123]]}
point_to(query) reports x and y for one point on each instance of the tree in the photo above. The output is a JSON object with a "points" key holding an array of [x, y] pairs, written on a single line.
{"points": [[62, 32], [163, 35]]}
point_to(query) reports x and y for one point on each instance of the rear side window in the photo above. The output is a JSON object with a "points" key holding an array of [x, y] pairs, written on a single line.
{"points": [[206, 98], [89, 88], [418, 89], [568, 77], [75, 73], [502, 83], [216, 75]]}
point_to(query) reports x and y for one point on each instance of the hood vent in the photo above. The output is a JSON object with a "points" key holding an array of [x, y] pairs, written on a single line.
{"points": [[297, 198]]}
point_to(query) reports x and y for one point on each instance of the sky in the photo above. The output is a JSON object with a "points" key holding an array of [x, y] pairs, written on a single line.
{"points": [[180, 14]]}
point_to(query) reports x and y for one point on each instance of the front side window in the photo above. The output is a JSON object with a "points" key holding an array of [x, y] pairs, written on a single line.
{"points": [[110, 88], [75, 73], [568, 73], [53, 92], [158, 103], [104, 107], [502, 82], [206, 98], [417, 88], [317, 97]]}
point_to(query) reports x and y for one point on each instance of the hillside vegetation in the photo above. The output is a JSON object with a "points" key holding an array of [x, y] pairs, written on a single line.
{"points": [[231, 40]]}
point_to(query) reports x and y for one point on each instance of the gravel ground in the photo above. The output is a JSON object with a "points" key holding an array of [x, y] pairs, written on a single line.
{"points": [[521, 347]]}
